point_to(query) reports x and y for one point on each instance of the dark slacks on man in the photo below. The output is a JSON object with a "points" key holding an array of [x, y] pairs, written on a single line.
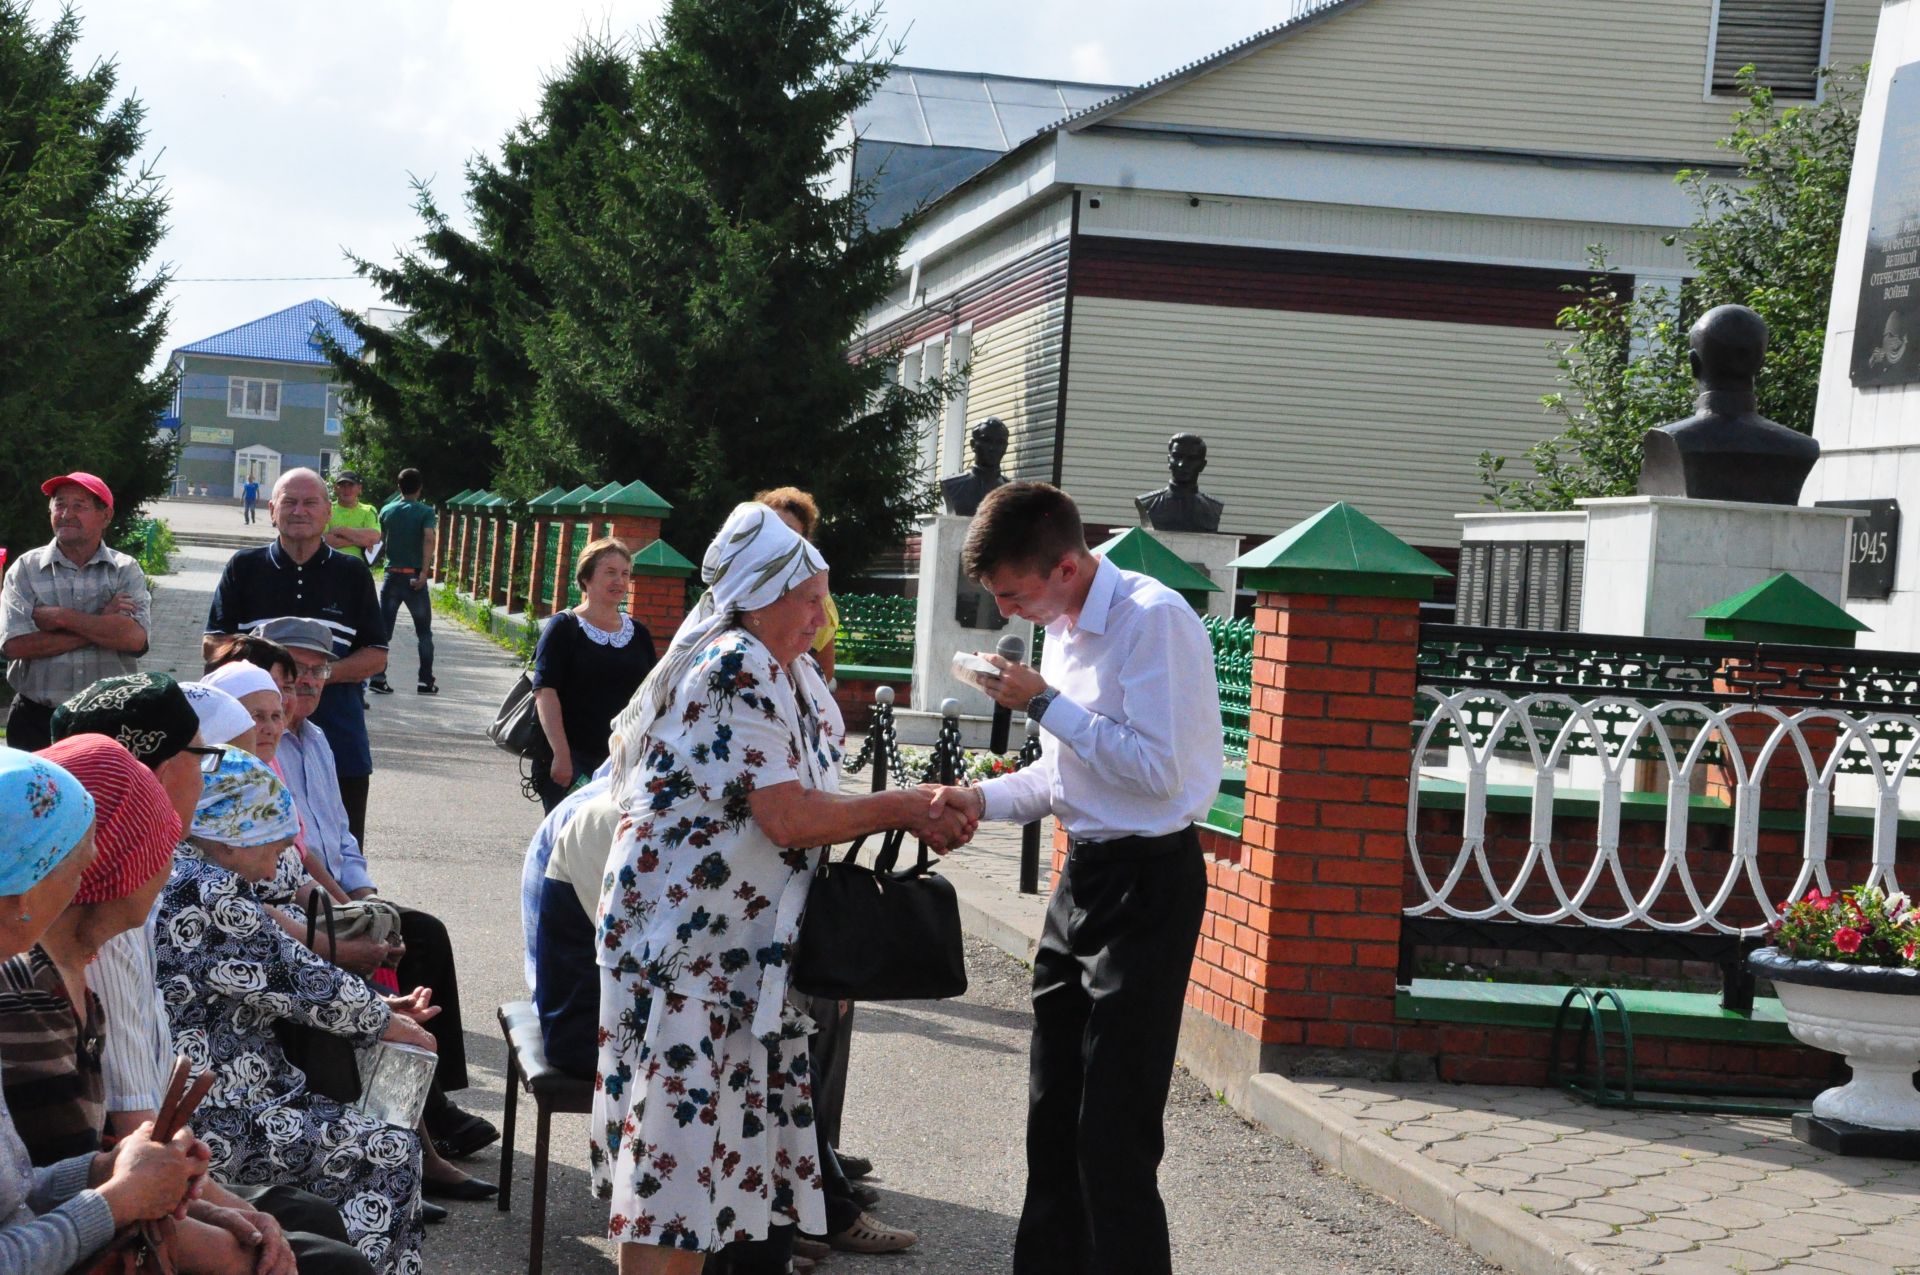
{"points": [[29, 725], [1131, 758]]}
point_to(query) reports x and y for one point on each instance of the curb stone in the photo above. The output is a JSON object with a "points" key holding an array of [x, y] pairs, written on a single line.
{"points": [[1479, 1218]]}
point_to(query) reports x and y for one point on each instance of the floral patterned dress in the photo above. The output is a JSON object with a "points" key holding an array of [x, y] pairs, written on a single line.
{"points": [[227, 974], [702, 1131]]}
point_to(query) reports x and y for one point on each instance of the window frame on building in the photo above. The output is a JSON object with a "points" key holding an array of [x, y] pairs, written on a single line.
{"points": [[242, 386], [1719, 89], [336, 410]]}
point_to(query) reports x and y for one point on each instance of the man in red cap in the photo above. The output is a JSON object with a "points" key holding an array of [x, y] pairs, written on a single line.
{"points": [[71, 612]]}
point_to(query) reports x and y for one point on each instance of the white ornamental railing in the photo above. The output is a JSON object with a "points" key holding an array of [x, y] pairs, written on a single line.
{"points": [[1605, 746]]}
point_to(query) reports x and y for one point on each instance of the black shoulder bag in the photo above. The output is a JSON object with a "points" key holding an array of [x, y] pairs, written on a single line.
{"points": [[874, 934]]}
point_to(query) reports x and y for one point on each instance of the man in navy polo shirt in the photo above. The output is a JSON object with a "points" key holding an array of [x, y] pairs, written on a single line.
{"points": [[298, 574]]}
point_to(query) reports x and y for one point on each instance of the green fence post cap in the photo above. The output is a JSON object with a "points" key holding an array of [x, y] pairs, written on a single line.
{"points": [[1137, 549], [636, 499], [1783, 609], [575, 501], [458, 499], [1339, 551], [546, 500], [660, 559]]}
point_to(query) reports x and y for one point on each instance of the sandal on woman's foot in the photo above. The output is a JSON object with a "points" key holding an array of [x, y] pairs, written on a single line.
{"points": [[869, 1236]]}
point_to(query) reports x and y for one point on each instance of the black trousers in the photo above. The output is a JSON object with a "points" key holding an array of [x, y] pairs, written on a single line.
{"points": [[29, 725], [313, 1228], [429, 963], [832, 1042], [1109, 979], [353, 795]]}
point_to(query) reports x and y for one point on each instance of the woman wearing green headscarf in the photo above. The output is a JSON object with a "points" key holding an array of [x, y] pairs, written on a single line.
{"points": [[53, 1218]]}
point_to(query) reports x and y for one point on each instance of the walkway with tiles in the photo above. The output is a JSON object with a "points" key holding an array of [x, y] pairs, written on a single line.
{"points": [[1679, 1194]]}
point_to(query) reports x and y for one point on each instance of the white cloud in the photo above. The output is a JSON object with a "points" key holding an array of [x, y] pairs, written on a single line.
{"points": [[286, 133]]}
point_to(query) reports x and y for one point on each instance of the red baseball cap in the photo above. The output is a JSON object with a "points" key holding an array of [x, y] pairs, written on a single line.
{"points": [[88, 481]]}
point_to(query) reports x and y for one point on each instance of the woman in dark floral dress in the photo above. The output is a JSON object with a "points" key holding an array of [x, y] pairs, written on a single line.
{"points": [[227, 974], [727, 768]]}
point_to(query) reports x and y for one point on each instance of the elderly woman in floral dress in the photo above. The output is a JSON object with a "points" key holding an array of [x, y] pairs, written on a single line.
{"points": [[228, 973], [726, 763]]}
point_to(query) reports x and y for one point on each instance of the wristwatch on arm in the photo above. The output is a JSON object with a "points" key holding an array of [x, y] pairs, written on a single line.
{"points": [[1037, 706]]}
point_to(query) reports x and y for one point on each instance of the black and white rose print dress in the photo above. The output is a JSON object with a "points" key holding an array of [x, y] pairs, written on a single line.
{"points": [[227, 974]]}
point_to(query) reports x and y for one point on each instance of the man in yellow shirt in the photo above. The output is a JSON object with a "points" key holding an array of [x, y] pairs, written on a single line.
{"points": [[354, 527]]}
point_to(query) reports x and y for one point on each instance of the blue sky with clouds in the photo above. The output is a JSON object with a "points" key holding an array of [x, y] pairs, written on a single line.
{"points": [[285, 133]]}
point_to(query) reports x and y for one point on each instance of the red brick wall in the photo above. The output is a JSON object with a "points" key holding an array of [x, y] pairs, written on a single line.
{"points": [[660, 603], [855, 698]]}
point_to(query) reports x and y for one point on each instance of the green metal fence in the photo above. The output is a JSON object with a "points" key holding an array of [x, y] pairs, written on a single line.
{"points": [[876, 631], [1233, 668]]}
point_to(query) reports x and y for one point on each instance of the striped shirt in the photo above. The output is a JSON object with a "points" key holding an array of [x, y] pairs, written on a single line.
{"points": [[45, 577], [49, 1220], [49, 1060], [136, 1057]]}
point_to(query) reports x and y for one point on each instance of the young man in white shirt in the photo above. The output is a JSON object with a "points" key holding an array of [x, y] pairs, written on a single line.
{"points": [[1129, 706]]}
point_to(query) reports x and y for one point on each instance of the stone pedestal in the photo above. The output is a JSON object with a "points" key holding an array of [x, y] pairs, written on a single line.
{"points": [[1653, 561], [951, 614], [1209, 553]]}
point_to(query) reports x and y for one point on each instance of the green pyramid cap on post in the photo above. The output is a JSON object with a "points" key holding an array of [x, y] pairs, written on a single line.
{"points": [[458, 498], [1137, 549], [1783, 609], [1339, 551], [636, 500], [546, 500], [575, 501], [659, 559]]}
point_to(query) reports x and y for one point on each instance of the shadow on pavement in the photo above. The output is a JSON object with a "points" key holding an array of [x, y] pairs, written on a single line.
{"points": [[886, 1020]]}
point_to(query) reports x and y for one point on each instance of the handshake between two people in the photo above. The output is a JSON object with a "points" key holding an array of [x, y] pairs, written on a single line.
{"points": [[945, 816]]}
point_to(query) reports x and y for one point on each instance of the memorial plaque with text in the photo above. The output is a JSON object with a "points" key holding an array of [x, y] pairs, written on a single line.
{"points": [[1873, 546], [1886, 338]]}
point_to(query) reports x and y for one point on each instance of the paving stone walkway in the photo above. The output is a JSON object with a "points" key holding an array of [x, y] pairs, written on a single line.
{"points": [[1679, 1194]]}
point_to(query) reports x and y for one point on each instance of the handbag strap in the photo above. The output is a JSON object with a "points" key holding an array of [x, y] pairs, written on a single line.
{"points": [[325, 902], [888, 859]]}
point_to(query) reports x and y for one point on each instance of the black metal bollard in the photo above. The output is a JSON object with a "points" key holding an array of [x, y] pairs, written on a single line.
{"points": [[880, 741], [1030, 832]]}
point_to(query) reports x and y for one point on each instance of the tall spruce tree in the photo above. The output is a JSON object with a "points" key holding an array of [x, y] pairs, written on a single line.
{"points": [[81, 318], [707, 281]]}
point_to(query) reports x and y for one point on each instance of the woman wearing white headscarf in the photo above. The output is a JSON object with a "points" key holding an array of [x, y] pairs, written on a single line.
{"points": [[726, 765]]}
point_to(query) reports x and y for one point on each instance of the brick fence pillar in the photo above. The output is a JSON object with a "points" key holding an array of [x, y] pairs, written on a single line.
{"points": [[1302, 934]]}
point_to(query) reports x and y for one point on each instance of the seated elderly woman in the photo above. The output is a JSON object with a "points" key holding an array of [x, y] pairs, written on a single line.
{"points": [[52, 1029], [54, 1217], [227, 974], [727, 769]]}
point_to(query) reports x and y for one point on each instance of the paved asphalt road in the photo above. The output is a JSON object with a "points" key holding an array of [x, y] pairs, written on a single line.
{"points": [[937, 1092]]}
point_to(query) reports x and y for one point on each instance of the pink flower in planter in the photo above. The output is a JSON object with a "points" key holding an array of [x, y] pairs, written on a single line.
{"points": [[1821, 902], [1847, 939]]}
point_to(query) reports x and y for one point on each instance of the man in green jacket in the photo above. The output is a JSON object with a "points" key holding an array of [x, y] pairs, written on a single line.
{"points": [[408, 529]]}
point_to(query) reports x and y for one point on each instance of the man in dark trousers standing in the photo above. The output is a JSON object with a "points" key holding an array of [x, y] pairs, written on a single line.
{"points": [[1129, 706]]}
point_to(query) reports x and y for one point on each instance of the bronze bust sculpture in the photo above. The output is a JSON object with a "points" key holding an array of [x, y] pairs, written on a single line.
{"points": [[1726, 450], [1181, 505], [964, 492]]}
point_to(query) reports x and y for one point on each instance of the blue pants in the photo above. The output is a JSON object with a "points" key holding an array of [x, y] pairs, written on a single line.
{"points": [[397, 591]]}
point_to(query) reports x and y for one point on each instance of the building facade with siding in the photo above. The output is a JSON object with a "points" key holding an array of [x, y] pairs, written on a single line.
{"points": [[259, 399], [1335, 250]]}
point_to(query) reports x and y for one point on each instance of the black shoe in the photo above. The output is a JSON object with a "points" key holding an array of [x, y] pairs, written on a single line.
{"points": [[431, 1212], [867, 1196], [464, 1189], [465, 1135], [854, 1166], [426, 688], [379, 687]]}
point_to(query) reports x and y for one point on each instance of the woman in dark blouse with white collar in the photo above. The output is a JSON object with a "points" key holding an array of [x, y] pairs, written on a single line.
{"points": [[589, 662]]}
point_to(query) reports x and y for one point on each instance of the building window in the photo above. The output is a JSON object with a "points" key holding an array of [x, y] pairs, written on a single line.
{"points": [[255, 399], [336, 409], [1785, 41], [329, 461]]}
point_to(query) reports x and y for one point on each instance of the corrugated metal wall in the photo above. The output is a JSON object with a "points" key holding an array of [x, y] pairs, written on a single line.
{"points": [[1016, 376], [1298, 410], [1619, 77]]}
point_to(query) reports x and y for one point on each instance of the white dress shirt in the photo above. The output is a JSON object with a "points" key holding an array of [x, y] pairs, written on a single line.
{"points": [[1134, 741], [136, 1057]]}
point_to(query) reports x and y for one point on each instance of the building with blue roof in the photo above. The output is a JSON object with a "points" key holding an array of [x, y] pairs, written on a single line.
{"points": [[258, 399]]}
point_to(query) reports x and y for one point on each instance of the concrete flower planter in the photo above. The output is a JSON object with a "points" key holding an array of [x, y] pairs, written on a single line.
{"points": [[1868, 1013]]}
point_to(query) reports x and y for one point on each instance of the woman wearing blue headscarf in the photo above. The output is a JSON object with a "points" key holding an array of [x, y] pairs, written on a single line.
{"points": [[228, 973], [54, 1217]]}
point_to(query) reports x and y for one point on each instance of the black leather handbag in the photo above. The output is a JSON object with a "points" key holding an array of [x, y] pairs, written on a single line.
{"points": [[874, 934]]}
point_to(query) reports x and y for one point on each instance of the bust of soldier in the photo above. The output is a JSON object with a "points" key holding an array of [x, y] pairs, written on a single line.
{"points": [[964, 492], [1181, 505], [1726, 450]]}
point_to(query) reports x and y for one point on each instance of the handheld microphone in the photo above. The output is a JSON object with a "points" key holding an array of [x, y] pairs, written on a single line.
{"points": [[1010, 647]]}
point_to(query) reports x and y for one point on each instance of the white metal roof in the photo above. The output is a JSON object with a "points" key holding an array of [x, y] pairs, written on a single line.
{"points": [[916, 106]]}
